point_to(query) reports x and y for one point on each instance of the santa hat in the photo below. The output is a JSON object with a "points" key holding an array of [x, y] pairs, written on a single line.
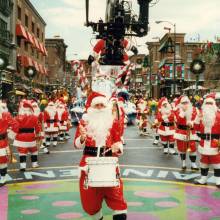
{"points": [[161, 102], [96, 98], [27, 104], [210, 98], [61, 100], [184, 99], [51, 103]]}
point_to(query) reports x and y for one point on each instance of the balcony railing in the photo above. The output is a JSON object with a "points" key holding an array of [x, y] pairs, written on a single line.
{"points": [[6, 7], [5, 35]]}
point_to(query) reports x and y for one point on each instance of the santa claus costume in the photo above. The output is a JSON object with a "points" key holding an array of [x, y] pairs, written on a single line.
{"points": [[209, 133], [63, 119], [51, 124], [185, 134], [100, 128], [40, 116], [166, 128], [6, 122], [27, 130], [142, 112]]}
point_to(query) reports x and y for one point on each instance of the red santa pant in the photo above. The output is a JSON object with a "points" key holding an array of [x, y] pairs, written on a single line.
{"points": [[210, 159], [183, 146], [168, 138], [93, 197], [26, 150]]}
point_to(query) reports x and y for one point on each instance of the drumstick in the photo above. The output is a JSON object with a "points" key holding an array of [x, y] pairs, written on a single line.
{"points": [[106, 151]]}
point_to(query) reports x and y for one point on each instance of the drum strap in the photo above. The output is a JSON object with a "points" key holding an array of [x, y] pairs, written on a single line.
{"points": [[92, 151]]}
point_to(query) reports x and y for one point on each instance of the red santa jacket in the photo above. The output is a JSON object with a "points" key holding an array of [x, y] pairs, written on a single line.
{"points": [[114, 137], [27, 129], [51, 121], [99, 48], [6, 121], [182, 130], [166, 124], [209, 142], [63, 118]]}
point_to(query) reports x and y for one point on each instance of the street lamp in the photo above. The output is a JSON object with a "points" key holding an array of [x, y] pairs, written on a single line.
{"points": [[174, 56]]}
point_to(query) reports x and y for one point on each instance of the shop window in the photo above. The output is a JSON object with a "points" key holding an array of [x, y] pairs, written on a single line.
{"points": [[33, 27], [26, 20], [38, 33], [19, 12]]}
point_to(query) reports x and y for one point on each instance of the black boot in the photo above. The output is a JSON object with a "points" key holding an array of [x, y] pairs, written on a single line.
{"points": [[120, 217]]}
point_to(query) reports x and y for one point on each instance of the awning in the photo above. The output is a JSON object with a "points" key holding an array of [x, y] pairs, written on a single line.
{"points": [[36, 90], [36, 43], [36, 66], [26, 61], [45, 50], [41, 48], [30, 38], [41, 68], [20, 31]]}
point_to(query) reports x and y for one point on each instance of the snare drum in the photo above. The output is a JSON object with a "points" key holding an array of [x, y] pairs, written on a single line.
{"points": [[102, 172]]}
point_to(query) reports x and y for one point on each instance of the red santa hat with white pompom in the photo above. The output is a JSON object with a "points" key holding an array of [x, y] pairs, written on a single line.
{"points": [[96, 98], [161, 102]]}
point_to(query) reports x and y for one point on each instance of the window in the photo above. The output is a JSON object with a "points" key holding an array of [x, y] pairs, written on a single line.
{"points": [[18, 41], [26, 20], [177, 49], [3, 24], [32, 27], [189, 57], [38, 33], [26, 45], [42, 36], [19, 13], [32, 51], [37, 54]]}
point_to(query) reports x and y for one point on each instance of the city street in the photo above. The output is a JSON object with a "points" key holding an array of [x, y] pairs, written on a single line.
{"points": [[154, 186]]}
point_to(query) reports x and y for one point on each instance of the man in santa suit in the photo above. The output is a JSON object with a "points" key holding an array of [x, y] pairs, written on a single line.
{"points": [[208, 125], [166, 129], [142, 112], [27, 129], [51, 124], [40, 116], [100, 128], [6, 122], [63, 119], [185, 134]]}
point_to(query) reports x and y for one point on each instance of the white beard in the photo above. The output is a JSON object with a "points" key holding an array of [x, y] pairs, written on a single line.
{"points": [[60, 111], [188, 112], [142, 107], [209, 115], [51, 111], [25, 111], [99, 123], [37, 111], [167, 110]]}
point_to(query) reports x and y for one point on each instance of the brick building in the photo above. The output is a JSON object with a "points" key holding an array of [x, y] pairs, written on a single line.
{"points": [[31, 50], [161, 59], [56, 61]]}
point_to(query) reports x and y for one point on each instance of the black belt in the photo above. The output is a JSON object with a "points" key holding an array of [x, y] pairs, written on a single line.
{"points": [[3, 136], [51, 121], [208, 136], [61, 121], [92, 151], [167, 124], [184, 127], [26, 130]]}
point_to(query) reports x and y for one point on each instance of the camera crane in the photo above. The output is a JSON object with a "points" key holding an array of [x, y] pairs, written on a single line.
{"points": [[119, 22]]}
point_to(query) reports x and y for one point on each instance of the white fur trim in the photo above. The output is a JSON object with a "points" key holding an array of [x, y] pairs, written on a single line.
{"points": [[184, 99], [207, 150], [118, 212], [62, 128], [51, 129], [97, 216], [166, 132], [18, 143], [78, 144], [216, 165], [209, 100], [3, 152], [183, 137], [99, 100]]}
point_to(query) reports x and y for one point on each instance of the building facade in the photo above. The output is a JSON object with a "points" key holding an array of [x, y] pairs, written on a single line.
{"points": [[7, 45], [56, 62], [162, 60], [31, 50]]}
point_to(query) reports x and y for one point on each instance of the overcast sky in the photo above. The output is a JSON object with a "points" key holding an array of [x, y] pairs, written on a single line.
{"points": [[199, 19]]}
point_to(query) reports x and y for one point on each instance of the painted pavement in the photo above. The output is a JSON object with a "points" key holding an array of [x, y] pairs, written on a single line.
{"points": [[147, 200]]}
